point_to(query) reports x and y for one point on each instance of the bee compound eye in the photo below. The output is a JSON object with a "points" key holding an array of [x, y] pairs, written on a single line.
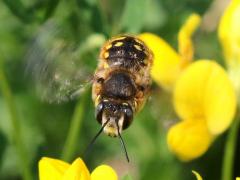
{"points": [[99, 112], [128, 116]]}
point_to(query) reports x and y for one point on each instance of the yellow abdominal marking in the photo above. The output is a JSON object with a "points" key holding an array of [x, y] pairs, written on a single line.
{"points": [[118, 44], [119, 38], [138, 41], [137, 47], [109, 46], [106, 55]]}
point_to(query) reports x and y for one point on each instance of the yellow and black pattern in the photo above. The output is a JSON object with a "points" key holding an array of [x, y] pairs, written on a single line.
{"points": [[122, 82], [126, 52]]}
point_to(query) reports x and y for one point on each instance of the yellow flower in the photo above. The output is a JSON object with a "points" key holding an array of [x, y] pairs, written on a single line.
{"points": [[54, 169], [199, 96], [189, 139], [200, 90], [168, 64], [229, 32], [229, 35]]}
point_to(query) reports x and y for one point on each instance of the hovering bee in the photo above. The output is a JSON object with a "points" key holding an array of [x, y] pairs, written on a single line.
{"points": [[120, 84]]}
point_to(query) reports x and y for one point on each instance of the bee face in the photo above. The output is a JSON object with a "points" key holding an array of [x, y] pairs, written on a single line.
{"points": [[117, 116]]}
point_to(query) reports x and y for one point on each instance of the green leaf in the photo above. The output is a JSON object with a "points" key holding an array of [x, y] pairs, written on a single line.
{"points": [[133, 16]]}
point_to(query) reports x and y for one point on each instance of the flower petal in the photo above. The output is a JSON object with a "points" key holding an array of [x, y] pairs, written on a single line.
{"points": [[219, 93], [202, 91], [167, 63], [52, 169], [185, 45], [104, 172], [197, 175], [229, 33], [189, 139], [77, 171]]}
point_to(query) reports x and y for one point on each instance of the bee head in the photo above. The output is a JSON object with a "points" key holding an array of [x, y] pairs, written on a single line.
{"points": [[114, 116]]}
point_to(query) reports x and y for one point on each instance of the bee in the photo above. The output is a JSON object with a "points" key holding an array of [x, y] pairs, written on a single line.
{"points": [[120, 84]]}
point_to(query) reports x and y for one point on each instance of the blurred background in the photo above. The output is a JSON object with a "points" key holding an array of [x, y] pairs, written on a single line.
{"points": [[45, 127]]}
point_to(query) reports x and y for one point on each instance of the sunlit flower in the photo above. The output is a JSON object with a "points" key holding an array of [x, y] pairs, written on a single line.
{"points": [[229, 36], [199, 96], [200, 90], [54, 169]]}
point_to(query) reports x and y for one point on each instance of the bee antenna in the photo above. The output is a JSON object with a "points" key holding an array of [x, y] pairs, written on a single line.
{"points": [[90, 145], [122, 143]]}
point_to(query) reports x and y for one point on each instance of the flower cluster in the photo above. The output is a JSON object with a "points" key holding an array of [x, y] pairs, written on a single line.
{"points": [[204, 96]]}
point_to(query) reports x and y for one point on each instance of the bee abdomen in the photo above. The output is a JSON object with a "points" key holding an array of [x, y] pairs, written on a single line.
{"points": [[127, 52], [119, 86]]}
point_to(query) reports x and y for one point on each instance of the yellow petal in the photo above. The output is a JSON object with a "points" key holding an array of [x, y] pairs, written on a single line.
{"points": [[238, 178], [197, 175], [166, 63], [52, 169], [185, 45], [189, 139], [205, 91], [104, 172], [220, 101], [229, 33], [77, 171]]}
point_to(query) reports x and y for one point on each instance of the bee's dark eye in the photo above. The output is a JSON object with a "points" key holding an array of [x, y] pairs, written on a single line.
{"points": [[128, 116], [99, 112]]}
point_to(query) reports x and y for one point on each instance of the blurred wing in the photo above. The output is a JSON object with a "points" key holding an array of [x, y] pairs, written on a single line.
{"points": [[56, 64]]}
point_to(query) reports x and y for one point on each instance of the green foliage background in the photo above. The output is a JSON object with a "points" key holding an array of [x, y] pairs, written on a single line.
{"points": [[44, 127]]}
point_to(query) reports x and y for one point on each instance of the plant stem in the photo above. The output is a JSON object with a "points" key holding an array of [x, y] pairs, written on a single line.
{"points": [[228, 159], [16, 129], [75, 126]]}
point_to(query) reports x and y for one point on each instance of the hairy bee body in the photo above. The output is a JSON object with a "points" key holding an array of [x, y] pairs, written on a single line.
{"points": [[121, 82]]}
